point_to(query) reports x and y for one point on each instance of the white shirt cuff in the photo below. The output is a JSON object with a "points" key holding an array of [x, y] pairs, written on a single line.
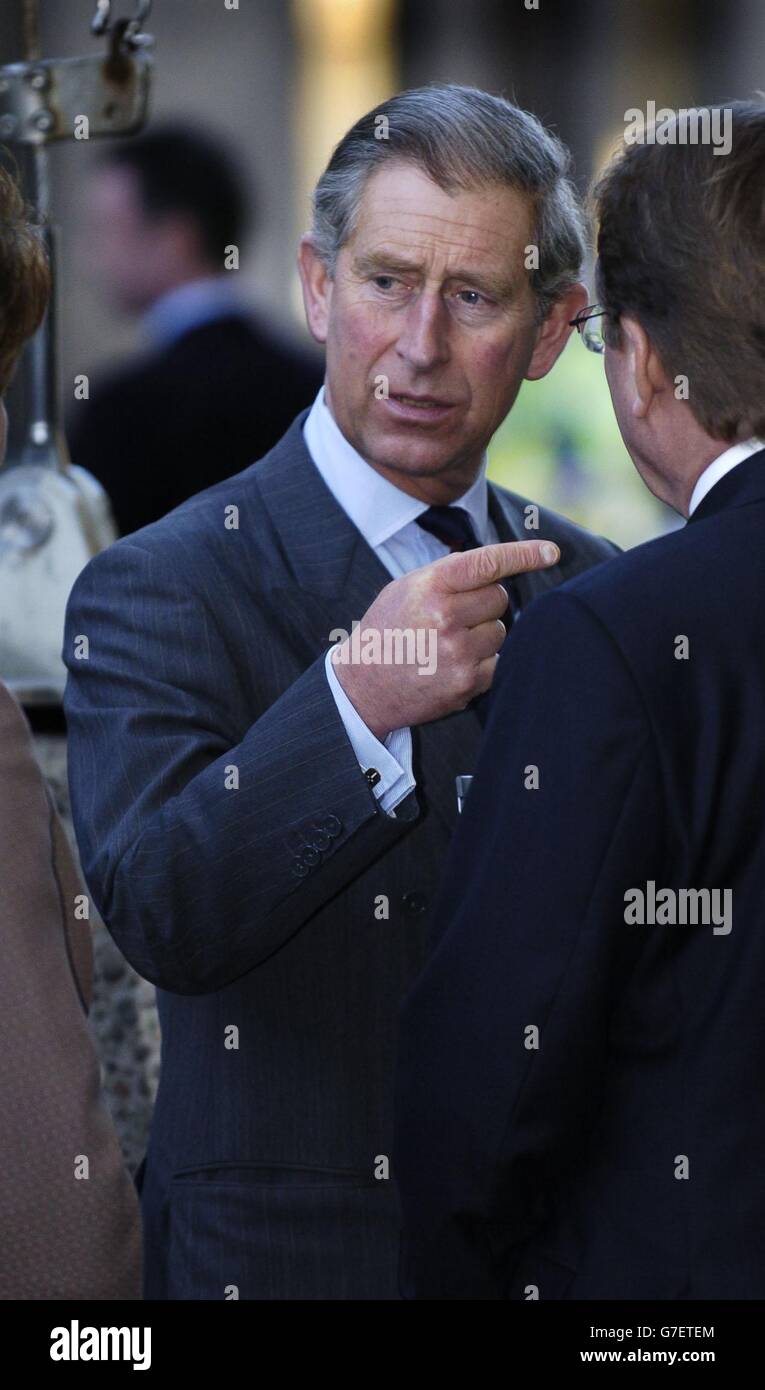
{"points": [[393, 759]]}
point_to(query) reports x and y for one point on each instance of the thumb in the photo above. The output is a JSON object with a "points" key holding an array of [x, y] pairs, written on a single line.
{"points": [[472, 569]]}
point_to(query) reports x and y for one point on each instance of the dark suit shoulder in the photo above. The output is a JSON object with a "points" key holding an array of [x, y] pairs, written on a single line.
{"points": [[201, 514], [217, 524], [229, 350], [700, 581], [251, 345], [647, 573]]}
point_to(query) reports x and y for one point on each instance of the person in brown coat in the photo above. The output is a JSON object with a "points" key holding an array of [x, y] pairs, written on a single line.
{"points": [[69, 1214]]}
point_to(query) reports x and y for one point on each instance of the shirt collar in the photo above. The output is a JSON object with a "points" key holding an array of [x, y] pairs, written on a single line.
{"points": [[719, 467], [376, 506], [187, 306]]}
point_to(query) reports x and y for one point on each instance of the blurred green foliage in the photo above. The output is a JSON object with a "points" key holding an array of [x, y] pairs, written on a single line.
{"points": [[560, 446]]}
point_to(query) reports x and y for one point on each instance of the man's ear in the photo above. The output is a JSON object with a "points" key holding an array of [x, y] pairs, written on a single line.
{"points": [[317, 289], [554, 332], [645, 374]]}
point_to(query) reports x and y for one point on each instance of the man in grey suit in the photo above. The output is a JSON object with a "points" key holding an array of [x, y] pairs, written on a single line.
{"points": [[263, 751]]}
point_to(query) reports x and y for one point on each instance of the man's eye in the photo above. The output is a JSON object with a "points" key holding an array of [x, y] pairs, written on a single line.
{"points": [[385, 282], [472, 298]]}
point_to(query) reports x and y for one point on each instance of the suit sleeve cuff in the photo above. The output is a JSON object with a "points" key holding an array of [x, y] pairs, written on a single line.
{"points": [[391, 759]]}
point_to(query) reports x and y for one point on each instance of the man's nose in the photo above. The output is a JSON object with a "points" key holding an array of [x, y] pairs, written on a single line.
{"points": [[423, 341]]}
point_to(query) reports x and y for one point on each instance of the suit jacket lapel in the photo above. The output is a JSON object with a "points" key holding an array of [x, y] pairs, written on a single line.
{"points": [[508, 519], [336, 572]]}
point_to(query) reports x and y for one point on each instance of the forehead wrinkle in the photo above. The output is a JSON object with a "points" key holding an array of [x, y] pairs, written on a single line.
{"points": [[453, 263], [404, 203], [451, 233], [422, 238]]}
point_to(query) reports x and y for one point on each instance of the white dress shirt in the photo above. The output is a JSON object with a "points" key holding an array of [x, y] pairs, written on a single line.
{"points": [[189, 305], [385, 516], [717, 469]]}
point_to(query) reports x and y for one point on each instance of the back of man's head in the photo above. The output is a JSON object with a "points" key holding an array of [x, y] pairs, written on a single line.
{"points": [[184, 172], [681, 249]]}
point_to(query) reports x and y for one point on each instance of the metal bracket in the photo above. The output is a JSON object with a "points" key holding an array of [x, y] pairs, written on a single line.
{"points": [[128, 31], [42, 101]]}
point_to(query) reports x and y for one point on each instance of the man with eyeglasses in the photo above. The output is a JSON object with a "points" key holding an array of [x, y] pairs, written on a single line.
{"points": [[577, 1116]]}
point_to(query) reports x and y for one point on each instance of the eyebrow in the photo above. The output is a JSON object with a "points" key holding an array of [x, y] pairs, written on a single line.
{"points": [[375, 263]]}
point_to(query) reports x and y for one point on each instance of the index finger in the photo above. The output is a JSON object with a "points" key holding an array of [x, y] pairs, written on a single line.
{"points": [[474, 569]]}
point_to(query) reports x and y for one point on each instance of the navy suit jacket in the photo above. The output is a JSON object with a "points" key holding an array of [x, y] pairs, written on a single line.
{"points": [[185, 416], [581, 1111], [242, 863]]}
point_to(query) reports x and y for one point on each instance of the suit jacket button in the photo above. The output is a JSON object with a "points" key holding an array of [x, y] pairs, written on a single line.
{"points": [[299, 869], [310, 855], [332, 825], [414, 904]]}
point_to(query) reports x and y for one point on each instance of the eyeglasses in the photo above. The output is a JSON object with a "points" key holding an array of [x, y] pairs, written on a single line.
{"points": [[590, 333]]}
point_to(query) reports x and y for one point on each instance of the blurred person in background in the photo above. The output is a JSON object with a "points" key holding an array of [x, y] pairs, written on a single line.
{"points": [[69, 1215], [580, 1107], [217, 387]]}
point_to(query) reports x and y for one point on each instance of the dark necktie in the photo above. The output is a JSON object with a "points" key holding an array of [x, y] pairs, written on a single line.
{"points": [[451, 525]]}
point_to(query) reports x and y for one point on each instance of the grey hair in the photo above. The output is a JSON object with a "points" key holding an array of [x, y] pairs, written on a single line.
{"points": [[463, 139]]}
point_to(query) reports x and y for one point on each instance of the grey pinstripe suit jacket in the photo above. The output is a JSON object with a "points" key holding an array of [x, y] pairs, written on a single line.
{"points": [[239, 858]]}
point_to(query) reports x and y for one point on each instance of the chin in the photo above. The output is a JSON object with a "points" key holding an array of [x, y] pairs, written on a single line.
{"points": [[416, 461], [434, 468]]}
